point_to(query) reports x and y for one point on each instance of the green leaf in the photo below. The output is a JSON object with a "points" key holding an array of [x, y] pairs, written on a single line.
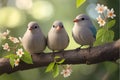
{"points": [[56, 71], [111, 23], [108, 36], [56, 57], [104, 36], [50, 67], [100, 33], [61, 61], [12, 61], [98, 42], [79, 3], [111, 37], [11, 58], [27, 58], [99, 37]]}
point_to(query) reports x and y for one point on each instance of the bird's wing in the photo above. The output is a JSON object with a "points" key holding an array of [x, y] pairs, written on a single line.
{"points": [[93, 29]]}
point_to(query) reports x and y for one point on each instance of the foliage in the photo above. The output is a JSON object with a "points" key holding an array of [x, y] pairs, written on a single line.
{"points": [[13, 50], [79, 3], [53, 66], [104, 34], [27, 58]]}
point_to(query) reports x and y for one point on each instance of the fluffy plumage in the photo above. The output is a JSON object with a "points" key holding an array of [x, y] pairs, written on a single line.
{"points": [[57, 37], [83, 32], [34, 40]]}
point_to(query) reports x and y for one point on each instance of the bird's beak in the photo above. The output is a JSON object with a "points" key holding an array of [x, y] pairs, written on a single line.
{"points": [[58, 28], [75, 20], [30, 28]]}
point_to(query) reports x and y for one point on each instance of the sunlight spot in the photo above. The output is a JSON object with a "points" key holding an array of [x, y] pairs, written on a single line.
{"points": [[24, 4], [10, 17], [41, 10]]}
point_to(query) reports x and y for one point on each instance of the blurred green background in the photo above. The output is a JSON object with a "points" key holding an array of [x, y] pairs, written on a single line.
{"points": [[16, 14]]}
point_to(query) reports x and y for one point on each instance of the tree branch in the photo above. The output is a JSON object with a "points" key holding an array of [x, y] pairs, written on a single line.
{"points": [[107, 52]]}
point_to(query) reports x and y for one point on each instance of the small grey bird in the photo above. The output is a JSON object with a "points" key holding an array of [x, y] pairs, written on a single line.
{"points": [[34, 40], [83, 32], [57, 37]]}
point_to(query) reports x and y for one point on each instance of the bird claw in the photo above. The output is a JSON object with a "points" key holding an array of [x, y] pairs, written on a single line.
{"points": [[89, 49], [53, 54], [77, 49]]}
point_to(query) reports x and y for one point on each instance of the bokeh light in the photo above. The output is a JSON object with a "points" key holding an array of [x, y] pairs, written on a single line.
{"points": [[24, 4], [10, 17], [41, 10], [91, 11]]}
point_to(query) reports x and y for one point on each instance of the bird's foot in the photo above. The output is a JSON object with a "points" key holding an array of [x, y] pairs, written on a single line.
{"points": [[79, 48], [61, 51], [53, 53], [89, 49]]}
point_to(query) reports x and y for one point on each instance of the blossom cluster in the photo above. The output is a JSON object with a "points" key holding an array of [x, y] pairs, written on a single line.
{"points": [[19, 52], [4, 34], [66, 72], [104, 14]]}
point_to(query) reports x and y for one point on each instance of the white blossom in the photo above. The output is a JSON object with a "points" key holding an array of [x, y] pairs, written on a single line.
{"points": [[20, 52], [4, 34], [110, 13], [13, 39], [101, 8], [66, 72], [6, 47], [101, 22], [16, 62]]}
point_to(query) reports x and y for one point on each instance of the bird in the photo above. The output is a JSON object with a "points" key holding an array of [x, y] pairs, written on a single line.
{"points": [[57, 39], [83, 32], [34, 40]]}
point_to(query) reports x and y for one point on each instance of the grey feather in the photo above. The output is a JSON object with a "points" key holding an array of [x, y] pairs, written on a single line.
{"points": [[57, 39], [34, 40]]}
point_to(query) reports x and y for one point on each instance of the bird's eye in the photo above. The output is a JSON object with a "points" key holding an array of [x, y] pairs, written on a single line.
{"points": [[53, 26], [62, 26], [35, 27], [82, 18]]}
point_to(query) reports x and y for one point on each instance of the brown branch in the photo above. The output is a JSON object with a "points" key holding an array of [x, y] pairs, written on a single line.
{"points": [[107, 52]]}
